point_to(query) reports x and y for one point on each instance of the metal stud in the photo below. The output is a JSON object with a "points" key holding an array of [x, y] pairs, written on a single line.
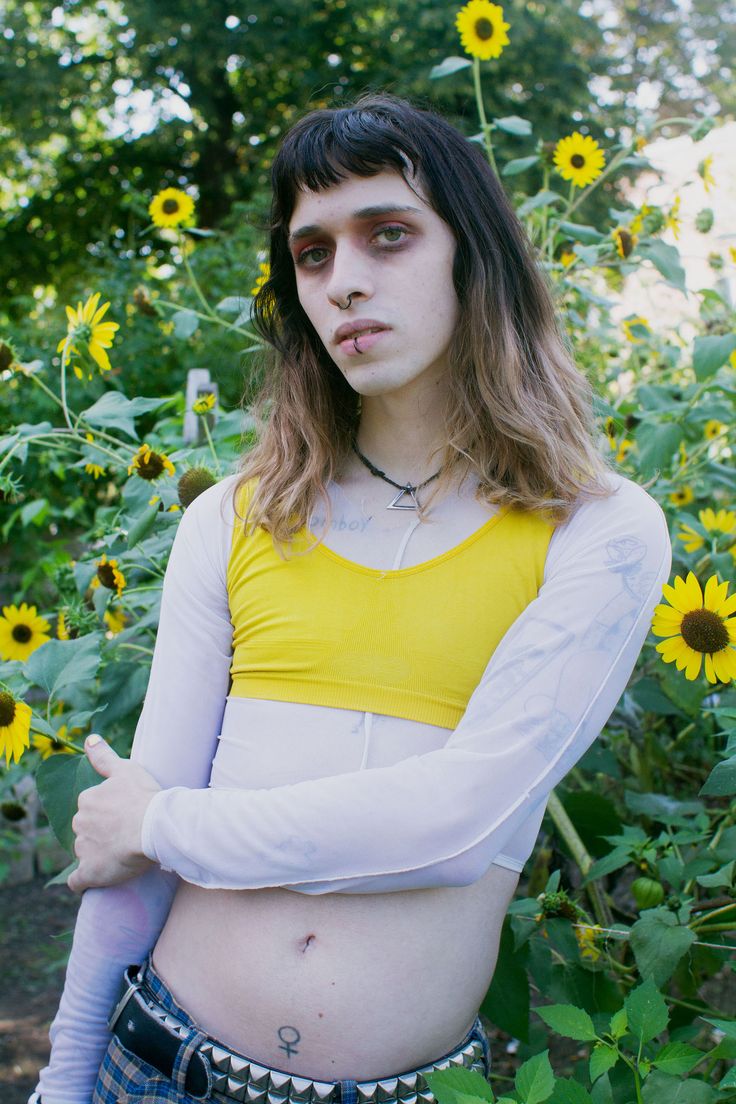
{"points": [[239, 1066], [322, 1091], [279, 1081], [235, 1088], [276, 1098], [411, 1099], [300, 1096], [301, 1085], [221, 1059], [255, 1095], [219, 1082], [259, 1075], [407, 1083], [386, 1089], [426, 1097]]}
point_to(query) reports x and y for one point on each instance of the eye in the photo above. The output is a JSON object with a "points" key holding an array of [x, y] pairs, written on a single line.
{"points": [[307, 256], [395, 234]]}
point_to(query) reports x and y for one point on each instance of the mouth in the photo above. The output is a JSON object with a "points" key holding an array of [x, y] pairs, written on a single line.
{"points": [[361, 328]]}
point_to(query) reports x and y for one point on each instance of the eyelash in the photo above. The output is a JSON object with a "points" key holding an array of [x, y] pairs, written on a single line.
{"points": [[388, 247]]}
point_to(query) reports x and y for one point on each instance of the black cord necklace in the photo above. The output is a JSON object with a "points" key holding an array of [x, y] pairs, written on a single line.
{"points": [[406, 490]]}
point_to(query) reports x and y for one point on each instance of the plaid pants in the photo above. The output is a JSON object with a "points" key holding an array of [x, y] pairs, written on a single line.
{"points": [[125, 1078]]}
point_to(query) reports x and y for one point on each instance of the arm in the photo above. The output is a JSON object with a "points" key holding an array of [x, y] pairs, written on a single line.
{"points": [[175, 740], [439, 819]]}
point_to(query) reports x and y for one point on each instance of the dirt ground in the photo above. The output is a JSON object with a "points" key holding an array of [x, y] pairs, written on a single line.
{"points": [[37, 926]]}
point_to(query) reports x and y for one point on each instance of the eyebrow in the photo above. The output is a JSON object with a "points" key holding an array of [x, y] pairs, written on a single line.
{"points": [[363, 214]]}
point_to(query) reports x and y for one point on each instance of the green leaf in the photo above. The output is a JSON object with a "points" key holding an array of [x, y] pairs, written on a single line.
{"points": [[587, 234], [710, 353], [535, 1080], [569, 1092], [722, 877], [661, 1088], [61, 877], [541, 199], [662, 807], [646, 1011], [659, 942], [618, 1023], [613, 861], [59, 780], [728, 1027], [234, 304], [514, 124], [519, 165], [567, 1020], [60, 663], [666, 259], [114, 411], [729, 1081], [677, 1058], [458, 1086], [186, 323], [507, 1001], [657, 444], [603, 1058], [448, 66], [721, 782], [143, 525]]}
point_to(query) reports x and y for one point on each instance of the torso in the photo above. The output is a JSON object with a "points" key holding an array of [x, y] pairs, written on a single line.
{"points": [[340, 985]]}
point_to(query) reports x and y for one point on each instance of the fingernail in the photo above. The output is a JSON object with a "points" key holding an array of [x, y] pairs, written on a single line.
{"points": [[93, 740]]}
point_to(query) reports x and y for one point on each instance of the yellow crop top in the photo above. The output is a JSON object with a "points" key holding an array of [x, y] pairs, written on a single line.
{"points": [[411, 642]]}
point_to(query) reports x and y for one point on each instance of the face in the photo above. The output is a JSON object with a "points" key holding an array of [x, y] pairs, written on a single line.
{"points": [[373, 242]]}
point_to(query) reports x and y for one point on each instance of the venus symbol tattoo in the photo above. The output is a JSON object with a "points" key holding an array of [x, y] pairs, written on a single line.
{"points": [[289, 1037]]}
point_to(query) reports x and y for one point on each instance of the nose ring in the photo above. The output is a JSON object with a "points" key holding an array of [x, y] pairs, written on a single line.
{"points": [[348, 304]]}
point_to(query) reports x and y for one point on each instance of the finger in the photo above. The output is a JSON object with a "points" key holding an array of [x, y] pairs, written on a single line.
{"points": [[101, 755]]}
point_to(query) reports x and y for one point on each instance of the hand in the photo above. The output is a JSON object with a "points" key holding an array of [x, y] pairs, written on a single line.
{"points": [[108, 821]]}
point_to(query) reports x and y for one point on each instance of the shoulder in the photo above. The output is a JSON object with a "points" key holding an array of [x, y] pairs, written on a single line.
{"points": [[206, 526], [629, 522]]}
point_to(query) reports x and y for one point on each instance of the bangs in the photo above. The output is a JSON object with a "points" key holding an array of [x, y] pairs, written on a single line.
{"points": [[325, 148]]}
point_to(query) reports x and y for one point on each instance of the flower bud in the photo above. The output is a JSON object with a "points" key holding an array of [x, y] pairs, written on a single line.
{"points": [[192, 483]]}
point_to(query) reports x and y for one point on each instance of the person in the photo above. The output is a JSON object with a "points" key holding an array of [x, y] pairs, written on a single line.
{"points": [[382, 642]]}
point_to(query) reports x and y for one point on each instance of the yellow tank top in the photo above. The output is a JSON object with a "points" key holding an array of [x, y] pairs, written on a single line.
{"points": [[411, 642]]}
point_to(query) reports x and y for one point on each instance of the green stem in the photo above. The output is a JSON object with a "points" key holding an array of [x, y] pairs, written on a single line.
{"points": [[136, 647], [64, 360], [709, 915], [210, 318], [482, 113], [568, 832], [193, 279], [210, 442], [716, 928]]}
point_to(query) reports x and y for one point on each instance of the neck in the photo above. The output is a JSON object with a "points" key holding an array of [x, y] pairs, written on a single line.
{"points": [[408, 450]]}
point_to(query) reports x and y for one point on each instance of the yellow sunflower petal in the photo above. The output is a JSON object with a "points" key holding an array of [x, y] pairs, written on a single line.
{"points": [[715, 594], [695, 662], [724, 664], [99, 355]]}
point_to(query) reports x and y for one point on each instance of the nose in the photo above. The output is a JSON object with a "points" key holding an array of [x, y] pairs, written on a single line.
{"points": [[350, 278]]}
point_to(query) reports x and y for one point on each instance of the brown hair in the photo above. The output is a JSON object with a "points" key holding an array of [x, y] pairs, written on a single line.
{"points": [[520, 412]]}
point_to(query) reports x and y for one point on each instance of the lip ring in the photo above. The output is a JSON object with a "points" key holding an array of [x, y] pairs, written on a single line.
{"points": [[350, 329]]}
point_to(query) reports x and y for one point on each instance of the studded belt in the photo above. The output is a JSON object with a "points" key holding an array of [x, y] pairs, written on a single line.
{"points": [[146, 1028]]}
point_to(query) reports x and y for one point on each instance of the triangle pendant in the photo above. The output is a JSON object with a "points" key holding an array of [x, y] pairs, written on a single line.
{"points": [[409, 503]]}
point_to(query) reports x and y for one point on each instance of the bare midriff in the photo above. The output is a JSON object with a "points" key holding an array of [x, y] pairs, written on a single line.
{"points": [[335, 985], [338, 985]]}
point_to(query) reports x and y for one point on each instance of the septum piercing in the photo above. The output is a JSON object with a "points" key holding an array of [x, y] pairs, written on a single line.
{"points": [[349, 302]]}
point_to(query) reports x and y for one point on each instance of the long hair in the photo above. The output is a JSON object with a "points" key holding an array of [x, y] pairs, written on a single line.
{"points": [[519, 414]]}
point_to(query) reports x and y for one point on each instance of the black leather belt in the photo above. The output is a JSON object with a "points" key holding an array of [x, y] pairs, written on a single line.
{"points": [[146, 1029]]}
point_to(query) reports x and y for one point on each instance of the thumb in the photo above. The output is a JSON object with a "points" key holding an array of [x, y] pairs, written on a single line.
{"points": [[101, 756]]}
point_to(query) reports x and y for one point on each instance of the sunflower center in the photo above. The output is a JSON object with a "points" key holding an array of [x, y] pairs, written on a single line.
{"points": [[150, 468], [577, 160], [170, 206], [704, 631], [7, 709], [106, 575], [22, 633], [484, 29]]}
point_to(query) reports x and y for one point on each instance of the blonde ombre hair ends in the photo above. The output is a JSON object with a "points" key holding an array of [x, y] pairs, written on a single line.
{"points": [[520, 413]]}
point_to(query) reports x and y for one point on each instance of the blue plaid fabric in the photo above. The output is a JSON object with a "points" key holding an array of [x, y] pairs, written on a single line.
{"points": [[124, 1077]]}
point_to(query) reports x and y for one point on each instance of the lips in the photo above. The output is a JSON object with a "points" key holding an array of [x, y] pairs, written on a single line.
{"points": [[360, 327]]}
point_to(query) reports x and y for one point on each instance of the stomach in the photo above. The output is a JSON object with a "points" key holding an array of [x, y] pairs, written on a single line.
{"points": [[334, 985]]}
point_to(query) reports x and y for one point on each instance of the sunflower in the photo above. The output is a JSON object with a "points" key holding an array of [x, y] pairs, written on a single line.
{"points": [[149, 464], [115, 619], [15, 724], [171, 207], [21, 632], [587, 937], [86, 328], [633, 328], [625, 241], [47, 745], [94, 469], [724, 521], [261, 280], [482, 29], [713, 429], [682, 496], [204, 403], [567, 258], [579, 159], [109, 575], [698, 625]]}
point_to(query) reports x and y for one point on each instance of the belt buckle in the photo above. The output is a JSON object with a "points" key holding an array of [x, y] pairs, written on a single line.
{"points": [[130, 988]]}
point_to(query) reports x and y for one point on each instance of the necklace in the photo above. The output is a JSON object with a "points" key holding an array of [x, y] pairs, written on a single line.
{"points": [[406, 490]]}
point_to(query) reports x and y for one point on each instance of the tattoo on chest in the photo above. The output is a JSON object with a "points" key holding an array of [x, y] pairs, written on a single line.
{"points": [[339, 524], [289, 1037]]}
